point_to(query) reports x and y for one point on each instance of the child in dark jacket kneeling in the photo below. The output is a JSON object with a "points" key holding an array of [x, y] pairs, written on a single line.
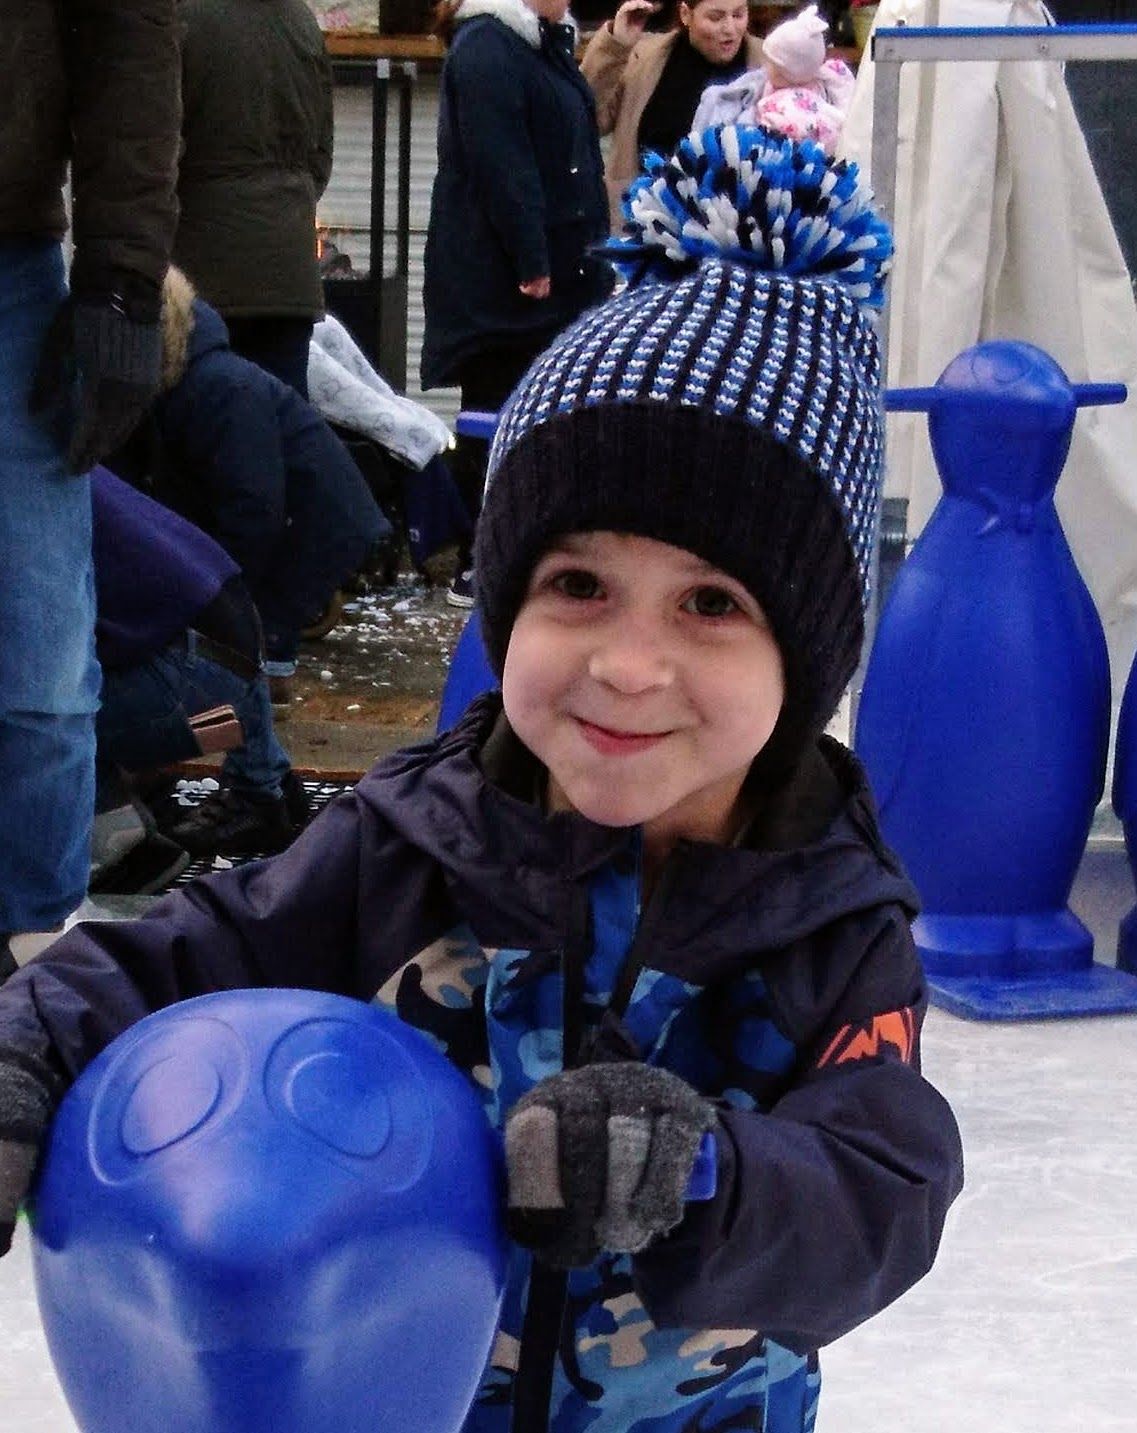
{"points": [[638, 896], [246, 459]]}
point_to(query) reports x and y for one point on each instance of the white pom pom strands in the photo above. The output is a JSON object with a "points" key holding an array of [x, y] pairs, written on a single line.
{"points": [[746, 194]]}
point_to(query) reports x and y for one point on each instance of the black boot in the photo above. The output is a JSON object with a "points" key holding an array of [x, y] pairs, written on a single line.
{"points": [[234, 822], [296, 801], [146, 869]]}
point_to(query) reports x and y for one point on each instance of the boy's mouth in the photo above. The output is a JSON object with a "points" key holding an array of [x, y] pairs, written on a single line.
{"points": [[617, 743]]}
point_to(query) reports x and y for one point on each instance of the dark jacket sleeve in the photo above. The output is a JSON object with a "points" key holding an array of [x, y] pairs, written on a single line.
{"points": [[334, 912], [221, 426], [489, 105], [126, 118], [832, 1204]]}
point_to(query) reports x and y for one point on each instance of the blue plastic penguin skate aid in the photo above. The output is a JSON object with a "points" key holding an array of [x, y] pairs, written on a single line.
{"points": [[469, 674], [984, 721], [1125, 806], [270, 1211]]}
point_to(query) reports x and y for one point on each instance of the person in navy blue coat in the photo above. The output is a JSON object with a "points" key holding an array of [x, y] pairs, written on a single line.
{"points": [[245, 458], [518, 203]]}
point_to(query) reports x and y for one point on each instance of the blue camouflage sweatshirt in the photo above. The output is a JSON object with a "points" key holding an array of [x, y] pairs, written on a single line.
{"points": [[778, 976]]}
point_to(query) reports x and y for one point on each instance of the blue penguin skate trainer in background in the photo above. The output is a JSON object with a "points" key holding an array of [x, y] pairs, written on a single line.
{"points": [[984, 721], [265, 1211], [636, 896], [1125, 807]]}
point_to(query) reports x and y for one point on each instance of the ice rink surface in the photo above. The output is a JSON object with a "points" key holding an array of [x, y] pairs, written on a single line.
{"points": [[1028, 1322]]}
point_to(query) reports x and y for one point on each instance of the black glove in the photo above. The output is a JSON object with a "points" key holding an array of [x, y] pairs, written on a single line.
{"points": [[599, 1159], [27, 1103], [104, 348]]}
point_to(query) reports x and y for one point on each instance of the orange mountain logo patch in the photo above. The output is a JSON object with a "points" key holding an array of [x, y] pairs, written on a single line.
{"points": [[893, 1033]]}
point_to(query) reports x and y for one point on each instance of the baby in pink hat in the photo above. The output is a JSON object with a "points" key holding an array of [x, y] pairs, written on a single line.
{"points": [[797, 92]]}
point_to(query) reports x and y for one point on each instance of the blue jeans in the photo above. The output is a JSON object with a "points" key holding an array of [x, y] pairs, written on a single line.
{"points": [[144, 720], [49, 678]]}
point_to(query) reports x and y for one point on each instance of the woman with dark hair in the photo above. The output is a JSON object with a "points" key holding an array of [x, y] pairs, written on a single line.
{"points": [[518, 202], [648, 86]]}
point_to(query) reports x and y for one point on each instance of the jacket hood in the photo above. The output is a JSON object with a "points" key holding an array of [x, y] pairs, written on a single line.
{"points": [[470, 799], [189, 327], [514, 14], [178, 296], [209, 331]]}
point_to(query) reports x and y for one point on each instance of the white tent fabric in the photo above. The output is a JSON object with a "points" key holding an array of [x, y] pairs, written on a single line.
{"points": [[1002, 232]]}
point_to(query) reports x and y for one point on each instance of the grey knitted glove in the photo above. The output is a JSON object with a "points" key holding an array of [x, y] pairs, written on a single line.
{"points": [[599, 1160], [28, 1097], [106, 346]]}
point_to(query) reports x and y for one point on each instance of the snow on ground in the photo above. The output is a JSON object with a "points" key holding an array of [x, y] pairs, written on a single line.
{"points": [[390, 651]]}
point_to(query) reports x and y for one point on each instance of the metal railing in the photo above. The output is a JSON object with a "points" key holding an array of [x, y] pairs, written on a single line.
{"points": [[374, 306], [893, 47]]}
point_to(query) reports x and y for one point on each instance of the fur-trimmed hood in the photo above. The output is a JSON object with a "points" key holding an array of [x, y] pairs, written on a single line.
{"points": [[190, 328], [514, 14], [178, 296]]}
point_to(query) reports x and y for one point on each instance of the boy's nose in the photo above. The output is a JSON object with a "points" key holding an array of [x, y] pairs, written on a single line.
{"points": [[631, 663]]}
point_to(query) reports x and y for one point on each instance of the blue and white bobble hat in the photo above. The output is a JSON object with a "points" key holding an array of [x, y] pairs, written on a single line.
{"points": [[727, 401]]}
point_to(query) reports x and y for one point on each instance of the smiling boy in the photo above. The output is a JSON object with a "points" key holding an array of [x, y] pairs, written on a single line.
{"points": [[637, 896], [645, 681]]}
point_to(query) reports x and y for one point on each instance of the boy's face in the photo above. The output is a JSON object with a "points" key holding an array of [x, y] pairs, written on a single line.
{"points": [[645, 680]]}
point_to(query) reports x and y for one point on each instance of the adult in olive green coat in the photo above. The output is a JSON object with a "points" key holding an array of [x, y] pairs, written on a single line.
{"points": [[257, 153]]}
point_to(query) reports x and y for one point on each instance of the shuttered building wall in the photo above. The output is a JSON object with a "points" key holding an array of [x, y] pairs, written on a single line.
{"points": [[345, 209]]}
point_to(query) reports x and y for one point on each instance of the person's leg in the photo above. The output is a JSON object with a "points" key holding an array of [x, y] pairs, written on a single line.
{"points": [[262, 805], [485, 382], [278, 345], [145, 718], [145, 722], [334, 522], [261, 765], [49, 679]]}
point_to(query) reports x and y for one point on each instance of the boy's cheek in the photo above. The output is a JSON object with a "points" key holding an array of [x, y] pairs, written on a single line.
{"points": [[523, 692]]}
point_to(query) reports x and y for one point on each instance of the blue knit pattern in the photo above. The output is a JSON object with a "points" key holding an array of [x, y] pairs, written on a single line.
{"points": [[793, 356]]}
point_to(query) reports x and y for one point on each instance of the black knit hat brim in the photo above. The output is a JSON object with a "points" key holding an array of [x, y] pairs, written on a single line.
{"points": [[706, 482]]}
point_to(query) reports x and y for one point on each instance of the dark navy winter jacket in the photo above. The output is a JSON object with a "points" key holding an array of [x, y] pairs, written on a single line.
{"points": [[779, 977], [519, 192], [247, 460]]}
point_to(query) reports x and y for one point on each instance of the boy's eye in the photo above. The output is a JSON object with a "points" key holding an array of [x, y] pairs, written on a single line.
{"points": [[577, 583], [710, 602]]}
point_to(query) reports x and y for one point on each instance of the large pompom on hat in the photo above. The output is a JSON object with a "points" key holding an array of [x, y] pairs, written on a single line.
{"points": [[727, 401]]}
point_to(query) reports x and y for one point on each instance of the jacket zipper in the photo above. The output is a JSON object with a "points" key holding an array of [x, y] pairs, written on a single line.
{"points": [[548, 1288], [637, 955]]}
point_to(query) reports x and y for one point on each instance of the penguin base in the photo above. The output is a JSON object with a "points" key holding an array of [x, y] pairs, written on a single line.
{"points": [[1027, 967]]}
